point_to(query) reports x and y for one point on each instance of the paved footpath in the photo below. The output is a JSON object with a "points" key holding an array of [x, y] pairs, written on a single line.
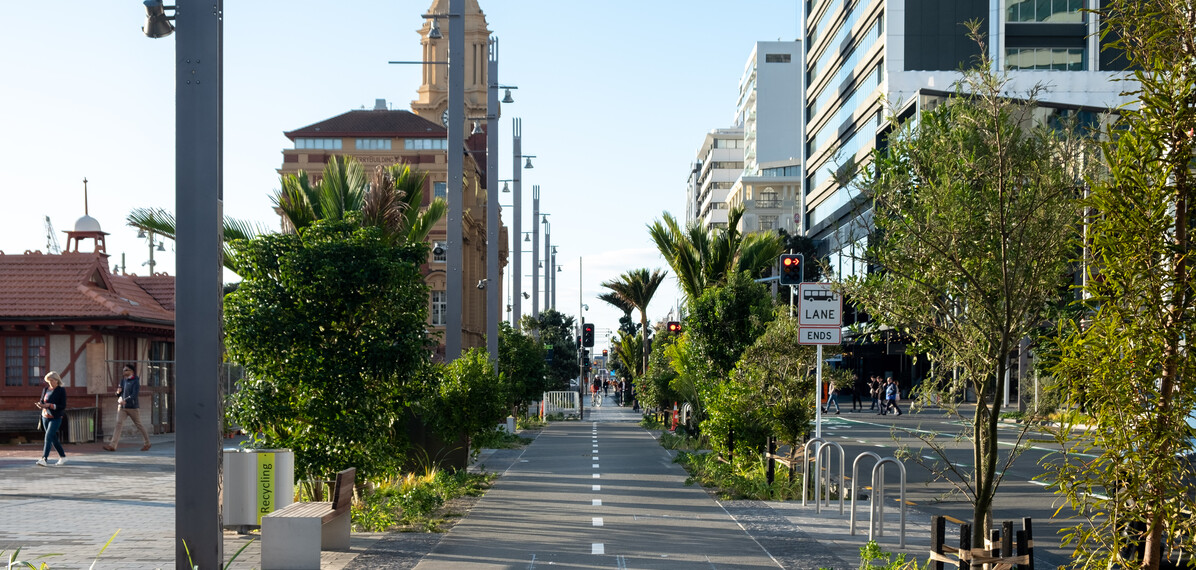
{"points": [[600, 493]]}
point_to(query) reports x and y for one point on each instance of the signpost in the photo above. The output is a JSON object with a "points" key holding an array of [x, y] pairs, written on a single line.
{"points": [[819, 320]]}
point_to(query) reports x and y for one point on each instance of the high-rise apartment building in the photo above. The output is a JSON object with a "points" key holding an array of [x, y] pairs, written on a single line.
{"points": [[719, 164], [866, 59]]}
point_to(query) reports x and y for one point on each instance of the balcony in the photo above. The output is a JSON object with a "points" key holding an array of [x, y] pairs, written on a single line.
{"points": [[761, 204]]}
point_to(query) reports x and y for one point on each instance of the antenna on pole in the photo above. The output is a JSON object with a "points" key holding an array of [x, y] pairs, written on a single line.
{"points": [[85, 212], [51, 240]]}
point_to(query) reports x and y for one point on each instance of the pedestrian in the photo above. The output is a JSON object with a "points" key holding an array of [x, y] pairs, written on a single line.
{"points": [[891, 394], [857, 392], [127, 405], [874, 389], [53, 407], [830, 398]]}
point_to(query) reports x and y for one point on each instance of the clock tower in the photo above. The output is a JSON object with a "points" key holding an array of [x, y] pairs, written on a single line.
{"points": [[432, 103]]}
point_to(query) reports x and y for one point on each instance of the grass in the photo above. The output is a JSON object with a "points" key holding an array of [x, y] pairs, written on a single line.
{"points": [[414, 502]]}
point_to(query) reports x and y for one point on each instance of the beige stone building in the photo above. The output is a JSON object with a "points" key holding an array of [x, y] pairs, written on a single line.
{"points": [[382, 136]]}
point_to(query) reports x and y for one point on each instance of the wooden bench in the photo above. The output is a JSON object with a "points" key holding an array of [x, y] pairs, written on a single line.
{"points": [[19, 421], [293, 536]]}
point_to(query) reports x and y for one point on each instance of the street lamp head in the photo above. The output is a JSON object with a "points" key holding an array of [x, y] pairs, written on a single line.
{"points": [[506, 188], [161, 246], [526, 296], [482, 284], [434, 33], [507, 97], [529, 163], [157, 23], [140, 234], [527, 237], [477, 129], [585, 306]]}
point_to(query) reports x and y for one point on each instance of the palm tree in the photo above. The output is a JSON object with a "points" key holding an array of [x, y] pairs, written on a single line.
{"points": [[704, 258], [636, 288], [392, 203]]}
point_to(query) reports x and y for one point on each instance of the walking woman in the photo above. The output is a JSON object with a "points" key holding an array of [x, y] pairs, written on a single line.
{"points": [[53, 406]]}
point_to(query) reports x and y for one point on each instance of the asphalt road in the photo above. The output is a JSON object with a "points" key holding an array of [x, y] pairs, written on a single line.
{"points": [[1022, 492]]}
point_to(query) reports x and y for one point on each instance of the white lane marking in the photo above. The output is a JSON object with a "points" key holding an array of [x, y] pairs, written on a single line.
{"points": [[596, 487], [597, 521], [927, 457], [1039, 483], [532, 564], [595, 466], [878, 445], [597, 548], [595, 458], [596, 502], [597, 476]]}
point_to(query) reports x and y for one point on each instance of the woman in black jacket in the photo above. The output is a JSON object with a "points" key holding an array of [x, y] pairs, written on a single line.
{"points": [[53, 407]]}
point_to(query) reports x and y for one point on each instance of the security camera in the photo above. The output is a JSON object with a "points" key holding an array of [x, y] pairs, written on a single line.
{"points": [[482, 284]]}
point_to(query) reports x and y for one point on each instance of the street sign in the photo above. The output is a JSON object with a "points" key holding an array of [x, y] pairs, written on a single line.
{"points": [[819, 306], [819, 335]]}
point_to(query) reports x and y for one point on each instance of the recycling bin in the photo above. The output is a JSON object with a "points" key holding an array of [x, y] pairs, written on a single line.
{"points": [[256, 483]]}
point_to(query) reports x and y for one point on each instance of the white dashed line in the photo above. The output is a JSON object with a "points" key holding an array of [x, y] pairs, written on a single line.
{"points": [[597, 521], [597, 476], [596, 487], [597, 548], [595, 466], [596, 503]]}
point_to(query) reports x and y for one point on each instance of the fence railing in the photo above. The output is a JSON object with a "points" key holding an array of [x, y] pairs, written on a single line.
{"points": [[565, 402]]}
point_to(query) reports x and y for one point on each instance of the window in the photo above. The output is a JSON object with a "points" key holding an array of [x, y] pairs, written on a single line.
{"points": [[1052, 59], [768, 223], [318, 144], [727, 165], [25, 359], [768, 199], [776, 58], [728, 143], [373, 144], [439, 308], [782, 171], [425, 144], [1049, 11], [440, 190]]}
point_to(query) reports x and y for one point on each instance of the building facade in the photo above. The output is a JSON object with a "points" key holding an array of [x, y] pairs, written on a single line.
{"points": [[718, 165], [382, 136], [871, 63]]}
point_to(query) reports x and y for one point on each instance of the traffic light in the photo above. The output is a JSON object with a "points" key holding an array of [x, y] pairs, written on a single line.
{"points": [[791, 268], [604, 353], [674, 327], [587, 334]]}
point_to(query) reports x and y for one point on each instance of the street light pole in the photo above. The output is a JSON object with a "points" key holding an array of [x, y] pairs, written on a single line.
{"points": [[517, 222], [493, 309], [535, 250], [199, 535], [455, 189], [547, 261], [555, 277]]}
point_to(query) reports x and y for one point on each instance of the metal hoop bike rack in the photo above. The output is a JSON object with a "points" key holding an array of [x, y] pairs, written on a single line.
{"points": [[827, 445]]}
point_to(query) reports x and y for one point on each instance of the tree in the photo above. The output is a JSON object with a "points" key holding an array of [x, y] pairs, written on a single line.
{"points": [[329, 325], [703, 258], [521, 364], [1127, 361], [559, 331], [466, 401], [975, 212], [636, 288]]}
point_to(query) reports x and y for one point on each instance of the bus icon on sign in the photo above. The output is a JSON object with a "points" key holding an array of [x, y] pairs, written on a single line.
{"points": [[813, 294]]}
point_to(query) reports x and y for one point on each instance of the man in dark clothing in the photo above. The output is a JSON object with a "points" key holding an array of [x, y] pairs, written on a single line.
{"points": [[127, 405]]}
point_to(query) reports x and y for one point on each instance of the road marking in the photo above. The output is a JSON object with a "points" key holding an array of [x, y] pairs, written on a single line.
{"points": [[596, 503], [595, 458], [1039, 483], [595, 466], [861, 441], [621, 562], [929, 458], [953, 519], [597, 548], [597, 521], [532, 565], [878, 445], [597, 476], [596, 487]]}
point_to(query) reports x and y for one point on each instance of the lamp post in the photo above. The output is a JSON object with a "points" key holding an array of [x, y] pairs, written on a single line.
{"points": [[199, 191], [516, 222], [555, 277], [547, 263], [493, 309], [535, 251], [454, 190]]}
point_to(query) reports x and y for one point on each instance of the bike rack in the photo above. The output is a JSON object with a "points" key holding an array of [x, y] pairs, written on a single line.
{"points": [[878, 499], [855, 492], [805, 468], [818, 475]]}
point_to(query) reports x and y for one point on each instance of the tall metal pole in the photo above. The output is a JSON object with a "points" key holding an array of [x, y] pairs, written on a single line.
{"points": [[198, 193], [453, 193], [535, 250], [581, 365], [555, 277], [547, 263], [517, 223], [493, 279]]}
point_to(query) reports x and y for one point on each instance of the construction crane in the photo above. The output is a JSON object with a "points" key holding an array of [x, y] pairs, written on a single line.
{"points": [[51, 240]]}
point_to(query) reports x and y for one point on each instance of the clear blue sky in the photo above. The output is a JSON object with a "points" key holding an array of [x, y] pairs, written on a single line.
{"points": [[615, 98]]}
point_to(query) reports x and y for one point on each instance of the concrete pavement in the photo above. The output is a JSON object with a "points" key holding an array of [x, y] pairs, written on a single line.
{"points": [[600, 493]]}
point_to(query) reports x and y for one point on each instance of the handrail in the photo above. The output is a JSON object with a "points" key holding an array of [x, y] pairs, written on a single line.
{"points": [[805, 470], [855, 493], [878, 499], [818, 475]]}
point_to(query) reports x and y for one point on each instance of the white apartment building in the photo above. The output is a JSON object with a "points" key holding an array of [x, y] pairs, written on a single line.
{"points": [[718, 165]]}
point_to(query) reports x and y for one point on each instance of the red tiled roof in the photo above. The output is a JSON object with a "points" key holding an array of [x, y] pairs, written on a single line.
{"points": [[393, 123], [36, 286]]}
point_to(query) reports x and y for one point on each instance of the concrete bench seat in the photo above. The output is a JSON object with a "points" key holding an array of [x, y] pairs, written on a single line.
{"points": [[293, 536]]}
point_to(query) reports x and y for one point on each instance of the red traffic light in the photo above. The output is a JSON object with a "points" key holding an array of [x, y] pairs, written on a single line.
{"points": [[791, 269], [674, 327]]}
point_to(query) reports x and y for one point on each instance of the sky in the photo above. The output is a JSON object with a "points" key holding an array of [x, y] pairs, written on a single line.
{"points": [[615, 99]]}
